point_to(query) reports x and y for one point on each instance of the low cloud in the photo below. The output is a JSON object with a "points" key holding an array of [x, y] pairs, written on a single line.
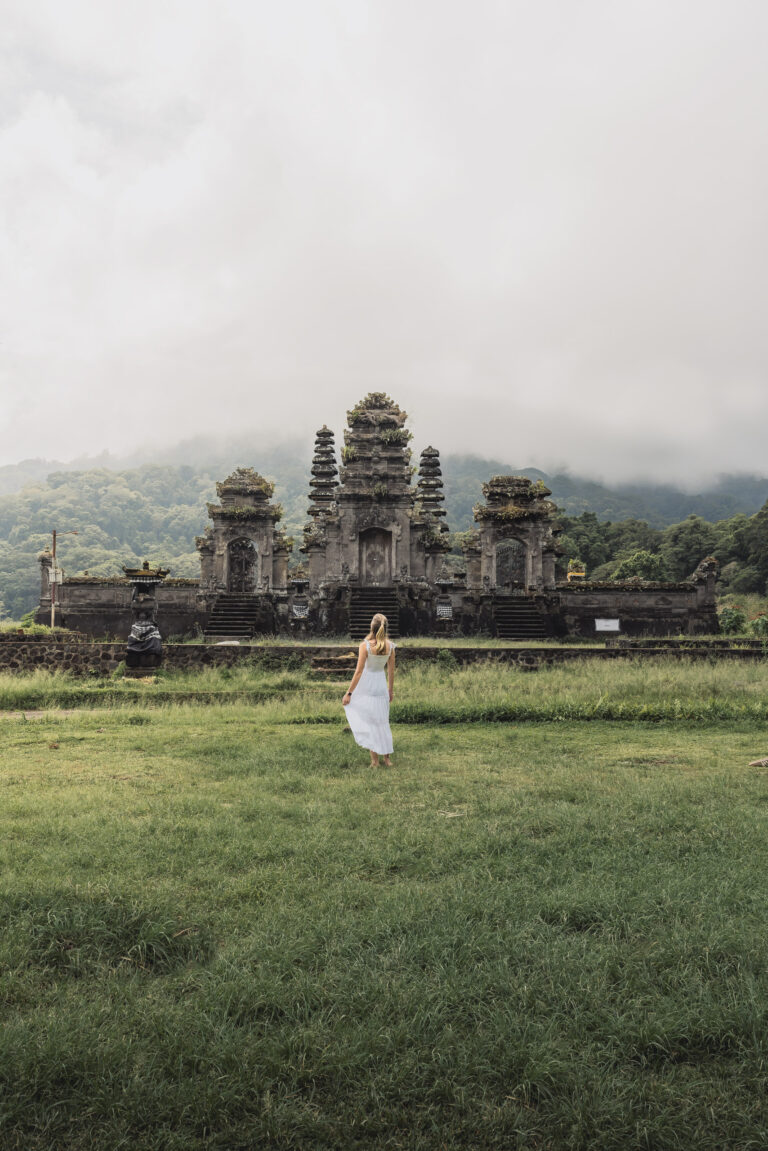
{"points": [[540, 228]]}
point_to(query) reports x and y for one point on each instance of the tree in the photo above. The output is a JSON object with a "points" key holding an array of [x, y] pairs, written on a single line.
{"points": [[641, 565], [586, 537], [684, 546], [631, 535]]}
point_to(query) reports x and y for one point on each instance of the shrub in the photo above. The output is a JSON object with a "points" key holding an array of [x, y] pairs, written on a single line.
{"points": [[446, 660], [396, 436], [759, 626], [732, 620]]}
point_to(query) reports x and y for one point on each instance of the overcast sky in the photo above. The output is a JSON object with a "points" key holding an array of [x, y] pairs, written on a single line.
{"points": [[540, 225]]}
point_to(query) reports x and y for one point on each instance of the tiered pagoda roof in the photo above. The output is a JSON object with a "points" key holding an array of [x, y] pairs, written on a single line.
{"points": [[376, 456], [511, 498], [325, 473]]}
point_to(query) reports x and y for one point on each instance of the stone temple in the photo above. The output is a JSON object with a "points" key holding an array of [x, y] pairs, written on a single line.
{"points": [[376, 540]]}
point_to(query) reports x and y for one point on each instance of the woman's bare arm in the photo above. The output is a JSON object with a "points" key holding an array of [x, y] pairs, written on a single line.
{"points": [[391, 672], [361, 658]]}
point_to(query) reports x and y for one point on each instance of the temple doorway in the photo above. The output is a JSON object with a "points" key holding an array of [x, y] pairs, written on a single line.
{"points": [[242, 568], [375, 557], [510, 564]]}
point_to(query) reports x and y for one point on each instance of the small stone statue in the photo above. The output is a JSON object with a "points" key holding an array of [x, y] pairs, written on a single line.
{"points": [[145, 646]]}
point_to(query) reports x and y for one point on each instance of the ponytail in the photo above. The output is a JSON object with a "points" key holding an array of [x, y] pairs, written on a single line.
{"points": [[378, 633]]}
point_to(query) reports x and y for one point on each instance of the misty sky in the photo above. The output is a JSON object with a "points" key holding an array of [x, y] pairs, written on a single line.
{"points": [[540, 225]]}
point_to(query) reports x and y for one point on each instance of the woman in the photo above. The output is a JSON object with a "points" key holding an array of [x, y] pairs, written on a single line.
{"points": [[372, 688]]}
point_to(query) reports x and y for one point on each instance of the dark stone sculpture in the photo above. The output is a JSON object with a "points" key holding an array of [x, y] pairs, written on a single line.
{"points": [[145, 646]]}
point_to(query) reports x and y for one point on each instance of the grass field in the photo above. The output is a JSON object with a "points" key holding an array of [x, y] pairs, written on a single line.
{"points": [[440, 693], [222, 929]]}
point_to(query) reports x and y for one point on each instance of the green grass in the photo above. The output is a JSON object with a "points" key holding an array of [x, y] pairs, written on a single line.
{"points": [[636, 689], [222, 930]]}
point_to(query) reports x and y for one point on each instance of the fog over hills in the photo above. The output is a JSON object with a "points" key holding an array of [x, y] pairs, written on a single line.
{"points": [[287, 464]]}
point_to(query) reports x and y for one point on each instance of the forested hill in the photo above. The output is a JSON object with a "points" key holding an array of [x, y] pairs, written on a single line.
{"points": [[658, 504], [288, 464], [124, 514]]}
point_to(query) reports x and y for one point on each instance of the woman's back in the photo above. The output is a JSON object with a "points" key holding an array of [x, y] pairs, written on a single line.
{"points": [[377, 662]]}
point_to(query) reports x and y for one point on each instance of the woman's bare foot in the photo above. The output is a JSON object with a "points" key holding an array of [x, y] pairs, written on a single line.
{"points": [[387, 761], [374, 760]]}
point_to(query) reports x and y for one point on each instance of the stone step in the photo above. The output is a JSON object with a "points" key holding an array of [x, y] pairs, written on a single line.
{"points": [[233, 617], [334, 667], [221, 618], [518, 619], [230, 628], [365, 603], [337, 666]]}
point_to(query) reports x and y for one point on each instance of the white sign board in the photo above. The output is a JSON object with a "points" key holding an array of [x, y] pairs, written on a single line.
{"points": [[607, 625]]}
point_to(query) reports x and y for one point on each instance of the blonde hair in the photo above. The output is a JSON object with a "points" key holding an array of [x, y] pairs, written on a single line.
{"points": [[378, 632]]}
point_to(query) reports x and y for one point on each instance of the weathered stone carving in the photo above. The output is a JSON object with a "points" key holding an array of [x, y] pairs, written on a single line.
{"points": [[242, 552], [515, 534], [324, 477]]}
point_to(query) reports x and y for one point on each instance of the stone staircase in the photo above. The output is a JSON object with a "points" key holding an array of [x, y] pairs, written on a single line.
{"points": [[516, 618], [232, 617], [366, 601], [334, 667]]}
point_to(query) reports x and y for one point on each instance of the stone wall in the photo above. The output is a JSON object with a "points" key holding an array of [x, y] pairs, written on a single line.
{"points": [[83, 658], [73, 656], [101, 659], [103, 607], [666, 609]]}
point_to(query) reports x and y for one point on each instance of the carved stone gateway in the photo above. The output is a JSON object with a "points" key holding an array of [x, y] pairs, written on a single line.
{"points": [[516, 536], [242, 551]]}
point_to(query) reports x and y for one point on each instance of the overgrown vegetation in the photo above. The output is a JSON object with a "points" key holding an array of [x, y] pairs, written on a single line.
{"points": [[632, 548]]}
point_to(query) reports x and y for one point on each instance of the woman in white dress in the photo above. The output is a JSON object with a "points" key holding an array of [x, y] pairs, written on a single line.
{"points": [[370, 692]]}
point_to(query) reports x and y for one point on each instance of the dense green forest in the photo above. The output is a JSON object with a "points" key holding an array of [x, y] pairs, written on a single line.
{"points": [[125, 511]]}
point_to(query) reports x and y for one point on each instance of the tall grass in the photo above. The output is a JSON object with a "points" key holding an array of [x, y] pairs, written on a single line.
{"points": [[59, 689], [222, 933], [641, 690]]}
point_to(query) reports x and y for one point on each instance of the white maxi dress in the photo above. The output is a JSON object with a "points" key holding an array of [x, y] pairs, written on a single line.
{"points": [[368, 709]]}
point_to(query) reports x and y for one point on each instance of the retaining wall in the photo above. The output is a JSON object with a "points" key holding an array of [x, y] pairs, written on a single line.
{"points": [[80, 657]]}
